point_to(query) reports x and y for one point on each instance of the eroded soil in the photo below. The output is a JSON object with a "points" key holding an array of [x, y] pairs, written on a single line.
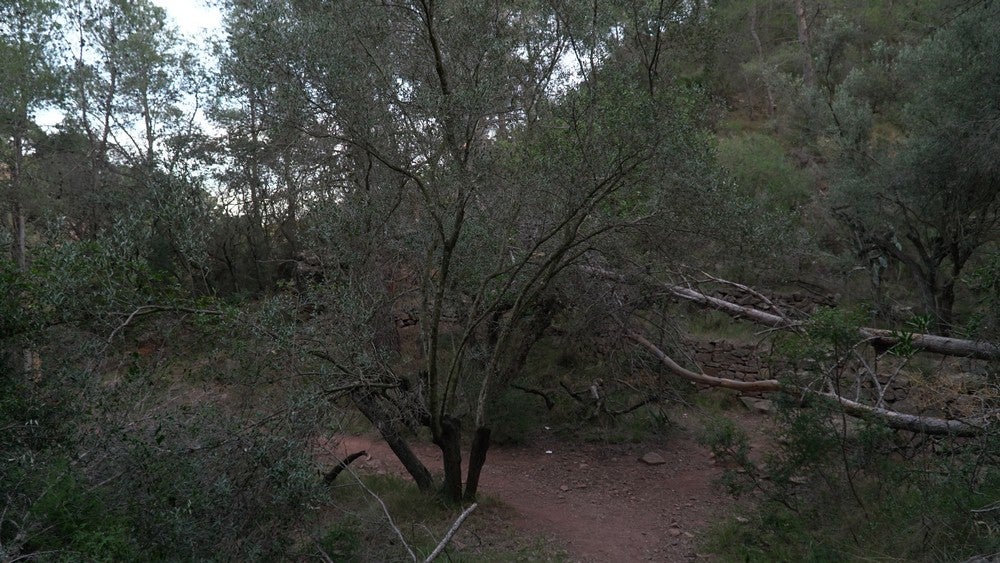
{"points": [[598, 502]]}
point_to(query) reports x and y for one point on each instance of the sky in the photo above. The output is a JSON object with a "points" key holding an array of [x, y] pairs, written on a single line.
{"points": [[193, 17]]}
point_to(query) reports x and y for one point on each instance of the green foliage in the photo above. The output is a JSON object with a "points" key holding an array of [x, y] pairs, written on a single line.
{"points": [[342, 543], [838, 489], [715, 324], [829, 334], [985, 282], [924, 196], [15, 317], [761, 168], [913, 519], [517, 416], [77, 520]]}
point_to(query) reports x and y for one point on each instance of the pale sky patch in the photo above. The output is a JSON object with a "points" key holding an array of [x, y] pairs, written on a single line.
{"points": [[194, 18]]}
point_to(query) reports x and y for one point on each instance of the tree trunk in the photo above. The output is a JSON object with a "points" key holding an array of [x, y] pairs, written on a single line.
{"points": [[771, 105], [368, 406], [808, 72], [449, 439], [477, 459]]}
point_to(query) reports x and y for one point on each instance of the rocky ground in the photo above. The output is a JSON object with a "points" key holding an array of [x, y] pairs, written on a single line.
{"points": [[598, 502]]}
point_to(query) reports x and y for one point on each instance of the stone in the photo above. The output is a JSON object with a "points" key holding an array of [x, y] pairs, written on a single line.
{"points": [[652, 458], [674, 532], [761, 406], [564, 488]]}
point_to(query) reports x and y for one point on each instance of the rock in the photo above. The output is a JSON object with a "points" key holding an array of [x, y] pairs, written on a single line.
{"points": [[564, 488], [742, 520], [762, 406], [674, 532], [652, 458]]}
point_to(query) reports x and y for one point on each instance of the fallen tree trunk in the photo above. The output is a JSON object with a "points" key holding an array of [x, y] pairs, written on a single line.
{"points": [[893, 419], [886, 338]]}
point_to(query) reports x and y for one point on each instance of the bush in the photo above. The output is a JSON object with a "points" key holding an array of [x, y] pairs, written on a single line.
{"points": [[831, 494]]}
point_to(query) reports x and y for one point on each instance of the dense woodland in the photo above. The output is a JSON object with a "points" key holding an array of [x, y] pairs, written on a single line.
{"points": [[455, 222]]}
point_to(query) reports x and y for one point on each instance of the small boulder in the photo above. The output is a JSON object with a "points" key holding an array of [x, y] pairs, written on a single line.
{"points": [[652, 458], [753, 404]]}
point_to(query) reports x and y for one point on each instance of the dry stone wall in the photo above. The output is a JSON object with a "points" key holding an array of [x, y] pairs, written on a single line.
{"points": [[942, 387]]}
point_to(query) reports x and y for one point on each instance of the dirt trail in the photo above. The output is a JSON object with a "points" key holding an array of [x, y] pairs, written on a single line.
{"points": [[599, 502]]}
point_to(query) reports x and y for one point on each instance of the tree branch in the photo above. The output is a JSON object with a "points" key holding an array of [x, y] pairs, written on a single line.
{"points": [[451, 533], [944, 345], [893, 419]]}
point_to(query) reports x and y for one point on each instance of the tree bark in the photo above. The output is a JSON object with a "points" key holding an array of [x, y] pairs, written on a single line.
{"points": [[477, 459], [808, 72], [450, 442], [368, 406], [340, 467]]}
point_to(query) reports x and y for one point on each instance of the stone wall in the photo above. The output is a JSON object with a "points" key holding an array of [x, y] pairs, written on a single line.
{"points": [[805, 302], [733, 360], [932, 386]]}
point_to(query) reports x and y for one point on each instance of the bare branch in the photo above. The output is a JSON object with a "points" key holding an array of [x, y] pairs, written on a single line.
{"points": [[893, 419], [880, 337], [150, 309], [451, 533]]}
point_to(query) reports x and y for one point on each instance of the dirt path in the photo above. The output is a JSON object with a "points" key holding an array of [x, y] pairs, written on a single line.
{"points": [[598, 502]]}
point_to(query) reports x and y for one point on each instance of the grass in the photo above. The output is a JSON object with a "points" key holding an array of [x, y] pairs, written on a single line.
{"points": [[927, 508], [715, 324], [929, 521], [359, 530]]}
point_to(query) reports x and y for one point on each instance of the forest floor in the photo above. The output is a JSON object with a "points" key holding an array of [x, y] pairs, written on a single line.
{"points": [[592, 501]]}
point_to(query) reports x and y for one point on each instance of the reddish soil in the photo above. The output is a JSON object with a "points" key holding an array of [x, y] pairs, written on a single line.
{"points": [[599, 502]]}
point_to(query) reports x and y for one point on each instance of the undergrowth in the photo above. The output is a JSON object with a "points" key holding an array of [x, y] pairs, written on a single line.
{"points": [[835, 492]]}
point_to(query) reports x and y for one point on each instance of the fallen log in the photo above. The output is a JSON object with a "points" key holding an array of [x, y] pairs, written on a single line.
{"points": [[893, 419], [944, 345]]}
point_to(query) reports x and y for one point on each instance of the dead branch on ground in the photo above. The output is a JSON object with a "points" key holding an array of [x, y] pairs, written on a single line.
{"points": [[893, 419]]}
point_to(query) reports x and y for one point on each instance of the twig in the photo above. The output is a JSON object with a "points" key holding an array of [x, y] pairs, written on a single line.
{"points": [[987, 508], [388, 517], [150, 309], [549, 403], [323, 554], [575, 394], [648, 400], [451, 533], [770, 304]]}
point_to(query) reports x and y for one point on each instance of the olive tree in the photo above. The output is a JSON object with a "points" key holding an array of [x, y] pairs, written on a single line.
{"points": [[461, 158], [927, 198]]}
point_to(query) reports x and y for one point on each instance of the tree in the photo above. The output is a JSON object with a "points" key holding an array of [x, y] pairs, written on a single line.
{"points": [[929, 201], [27, 41], [464, 158]]}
